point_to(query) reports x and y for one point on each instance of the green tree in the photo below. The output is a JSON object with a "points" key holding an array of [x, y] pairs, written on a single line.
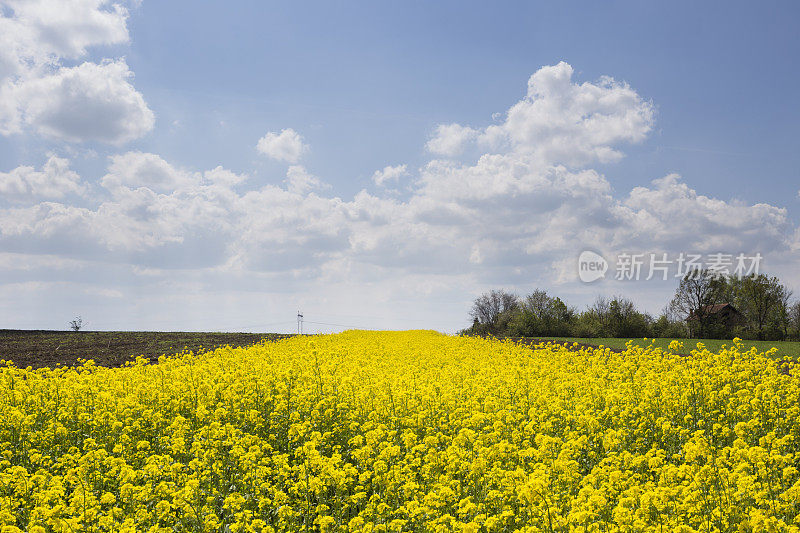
{"points": [[541, 315], [764, 301]]}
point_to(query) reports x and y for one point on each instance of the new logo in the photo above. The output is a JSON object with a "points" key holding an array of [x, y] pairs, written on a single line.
{"points": [[591, 266]]}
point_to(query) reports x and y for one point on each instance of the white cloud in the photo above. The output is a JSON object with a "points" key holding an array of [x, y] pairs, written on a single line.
{"points": [[525, 205], [223, 177], [672, 213], [522, 208], [562, 122], [286, 146], [795, 244], [64, 28], [88, 102], [517, 214], [450, 139], [136, 169], [55, 180], [389, 173], [299, 181]]}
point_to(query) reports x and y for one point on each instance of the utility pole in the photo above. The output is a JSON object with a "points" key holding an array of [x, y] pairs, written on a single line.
{"points": [[299, 323]]}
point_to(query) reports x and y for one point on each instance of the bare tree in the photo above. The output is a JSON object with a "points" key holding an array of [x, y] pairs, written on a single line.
{"points": [[601, 309], [538, 304], [488, 307], [600, 306], [784, 308], [697, 293], [76, 324], [794, 318], [671, 314]]}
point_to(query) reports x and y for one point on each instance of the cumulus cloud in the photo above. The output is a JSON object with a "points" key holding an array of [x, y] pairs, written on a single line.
{"points": [[88, 102], [55, 180], [299, 181], [133, 170], [44, 28], [286, 146], [450, 139], [517, 213], [671, 212], [560, 121], [389, 173], [223, 177]]}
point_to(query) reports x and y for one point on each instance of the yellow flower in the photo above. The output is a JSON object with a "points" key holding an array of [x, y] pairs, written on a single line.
{"points": [[405, 431]]}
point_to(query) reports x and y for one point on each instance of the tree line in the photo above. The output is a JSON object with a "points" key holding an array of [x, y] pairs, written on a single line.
{"points": [[705, 305]]}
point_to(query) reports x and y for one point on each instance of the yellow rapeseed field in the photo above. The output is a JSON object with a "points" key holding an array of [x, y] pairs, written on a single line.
{"points": [[404, 431]]}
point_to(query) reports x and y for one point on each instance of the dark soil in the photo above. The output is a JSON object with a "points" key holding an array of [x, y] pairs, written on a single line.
{"points": [[36, 348]]}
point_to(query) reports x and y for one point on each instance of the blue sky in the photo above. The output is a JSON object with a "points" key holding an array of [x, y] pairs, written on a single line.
{"points": [[169, 91], [367, 82]]}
